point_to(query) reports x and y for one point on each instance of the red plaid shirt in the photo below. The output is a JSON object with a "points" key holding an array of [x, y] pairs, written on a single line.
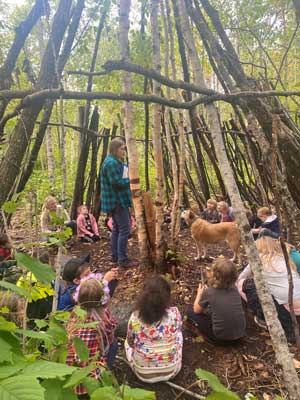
{"points": [[91, 337]]}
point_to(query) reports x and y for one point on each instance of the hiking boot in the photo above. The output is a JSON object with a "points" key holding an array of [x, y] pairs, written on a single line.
{"points": [[128, 263]]}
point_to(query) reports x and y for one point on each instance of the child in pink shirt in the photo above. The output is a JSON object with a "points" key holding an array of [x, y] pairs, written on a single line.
{"points": [[87, 228]]}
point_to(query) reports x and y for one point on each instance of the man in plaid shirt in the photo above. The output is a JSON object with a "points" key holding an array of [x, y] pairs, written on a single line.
{"points": [[116, 199]]}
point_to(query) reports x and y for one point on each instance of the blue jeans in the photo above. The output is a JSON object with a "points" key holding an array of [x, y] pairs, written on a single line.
{"points": [[112, 352], [120, 234]]}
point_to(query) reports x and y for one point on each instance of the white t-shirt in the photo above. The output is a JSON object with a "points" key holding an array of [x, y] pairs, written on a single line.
{"points": [[277, 281]]}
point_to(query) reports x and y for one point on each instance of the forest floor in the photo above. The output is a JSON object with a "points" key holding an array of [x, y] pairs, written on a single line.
{"points": [[247, 367]]}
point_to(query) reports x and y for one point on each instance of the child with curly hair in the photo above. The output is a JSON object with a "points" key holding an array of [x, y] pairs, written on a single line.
{"points": [[217, 312], [154, 336]]}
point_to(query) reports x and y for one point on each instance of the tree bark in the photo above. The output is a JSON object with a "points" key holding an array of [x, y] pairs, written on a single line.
{"points": [[278, 337], [20, 138], [78, 193], [129, 134], [156, 139]]}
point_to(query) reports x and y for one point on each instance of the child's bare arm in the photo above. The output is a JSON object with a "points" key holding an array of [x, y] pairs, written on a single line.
{"points": [[197, 308]]}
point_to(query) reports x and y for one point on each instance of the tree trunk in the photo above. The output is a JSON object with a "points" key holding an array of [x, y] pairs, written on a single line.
{"points": [[21, 33], [277, 334], [156, 138], [20, 138], [50, 159], [129, 134], [78, 193]]}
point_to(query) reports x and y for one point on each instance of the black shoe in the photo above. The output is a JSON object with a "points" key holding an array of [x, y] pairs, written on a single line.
{"points": [[128, 263]]}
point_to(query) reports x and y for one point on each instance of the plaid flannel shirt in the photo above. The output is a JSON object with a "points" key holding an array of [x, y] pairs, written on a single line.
{"points": [[114, 188], [90, 336]]}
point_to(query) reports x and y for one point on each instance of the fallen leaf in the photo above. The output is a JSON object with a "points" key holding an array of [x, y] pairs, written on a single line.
{"points": [[266, 396], [259, 366], [198, 339], [264, 374], [296, 363], [269, 342]]}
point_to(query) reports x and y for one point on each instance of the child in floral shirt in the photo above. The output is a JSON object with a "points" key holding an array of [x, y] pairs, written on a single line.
{"points": [[154, 336]]}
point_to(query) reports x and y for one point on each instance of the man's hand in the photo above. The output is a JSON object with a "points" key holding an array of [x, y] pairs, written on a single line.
{"points": [[112, 274]]}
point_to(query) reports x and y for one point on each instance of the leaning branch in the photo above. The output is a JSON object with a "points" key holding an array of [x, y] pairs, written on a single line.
{"points": [[152, 74], [30, 97]]}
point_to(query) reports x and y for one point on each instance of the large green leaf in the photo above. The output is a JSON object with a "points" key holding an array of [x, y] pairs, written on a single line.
{"points": [[47, 370], [91, 384], [220, 396], [215, 384], [6, 351], [33, 334], [81, 349], [78, 376], [136, 394], [54, 390], [42, 272], [14, 288], [7, 325], [27, 388], [106, 393]]}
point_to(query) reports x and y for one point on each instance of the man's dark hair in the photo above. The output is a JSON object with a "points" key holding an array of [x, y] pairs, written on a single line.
{"points": [[74, 268], [153, 300]]}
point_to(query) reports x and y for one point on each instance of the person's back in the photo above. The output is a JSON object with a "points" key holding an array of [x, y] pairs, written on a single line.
{"points": [[275, 273], [228, 319], [154, 337], [99, 338]]}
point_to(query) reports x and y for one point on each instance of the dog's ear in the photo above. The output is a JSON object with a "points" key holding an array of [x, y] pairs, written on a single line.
{"points": [[192, 215]]}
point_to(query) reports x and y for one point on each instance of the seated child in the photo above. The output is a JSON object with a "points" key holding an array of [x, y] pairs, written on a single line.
{"points": [[270, 223], [218, 313], [225, 211], [5, 252], [210, 213], [154, 337], [91, 296], [47, 224], [275, 274], [73, 272], [87, 228]]}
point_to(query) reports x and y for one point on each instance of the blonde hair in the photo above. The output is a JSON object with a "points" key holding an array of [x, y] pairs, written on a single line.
{"points": [[212, 202], [47, 202], [264, 211], [222, 205], [224, 274], [268, 249]]}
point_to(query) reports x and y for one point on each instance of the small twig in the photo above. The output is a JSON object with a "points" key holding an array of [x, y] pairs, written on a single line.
{"points": [[171, 384], [189, 387], [186, 391]]}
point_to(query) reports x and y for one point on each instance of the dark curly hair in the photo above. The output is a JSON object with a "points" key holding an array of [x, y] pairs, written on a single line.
{"points": [[153, 300]]}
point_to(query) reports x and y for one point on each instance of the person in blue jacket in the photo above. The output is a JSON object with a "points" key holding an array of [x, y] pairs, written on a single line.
{"points": [[74, 270]]}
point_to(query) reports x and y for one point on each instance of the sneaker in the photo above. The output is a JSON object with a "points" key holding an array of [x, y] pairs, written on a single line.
{"points": [[261, 323]]}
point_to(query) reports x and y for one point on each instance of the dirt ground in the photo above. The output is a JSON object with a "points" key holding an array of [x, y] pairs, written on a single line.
{"points": [[247, 367]]}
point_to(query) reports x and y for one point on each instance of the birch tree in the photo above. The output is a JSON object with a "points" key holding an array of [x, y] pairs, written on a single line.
{"points": [[129, 134], [277, 334], [156, 138]]}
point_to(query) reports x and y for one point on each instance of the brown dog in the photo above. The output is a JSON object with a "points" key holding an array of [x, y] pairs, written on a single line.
{"points": [[204, 233]]}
